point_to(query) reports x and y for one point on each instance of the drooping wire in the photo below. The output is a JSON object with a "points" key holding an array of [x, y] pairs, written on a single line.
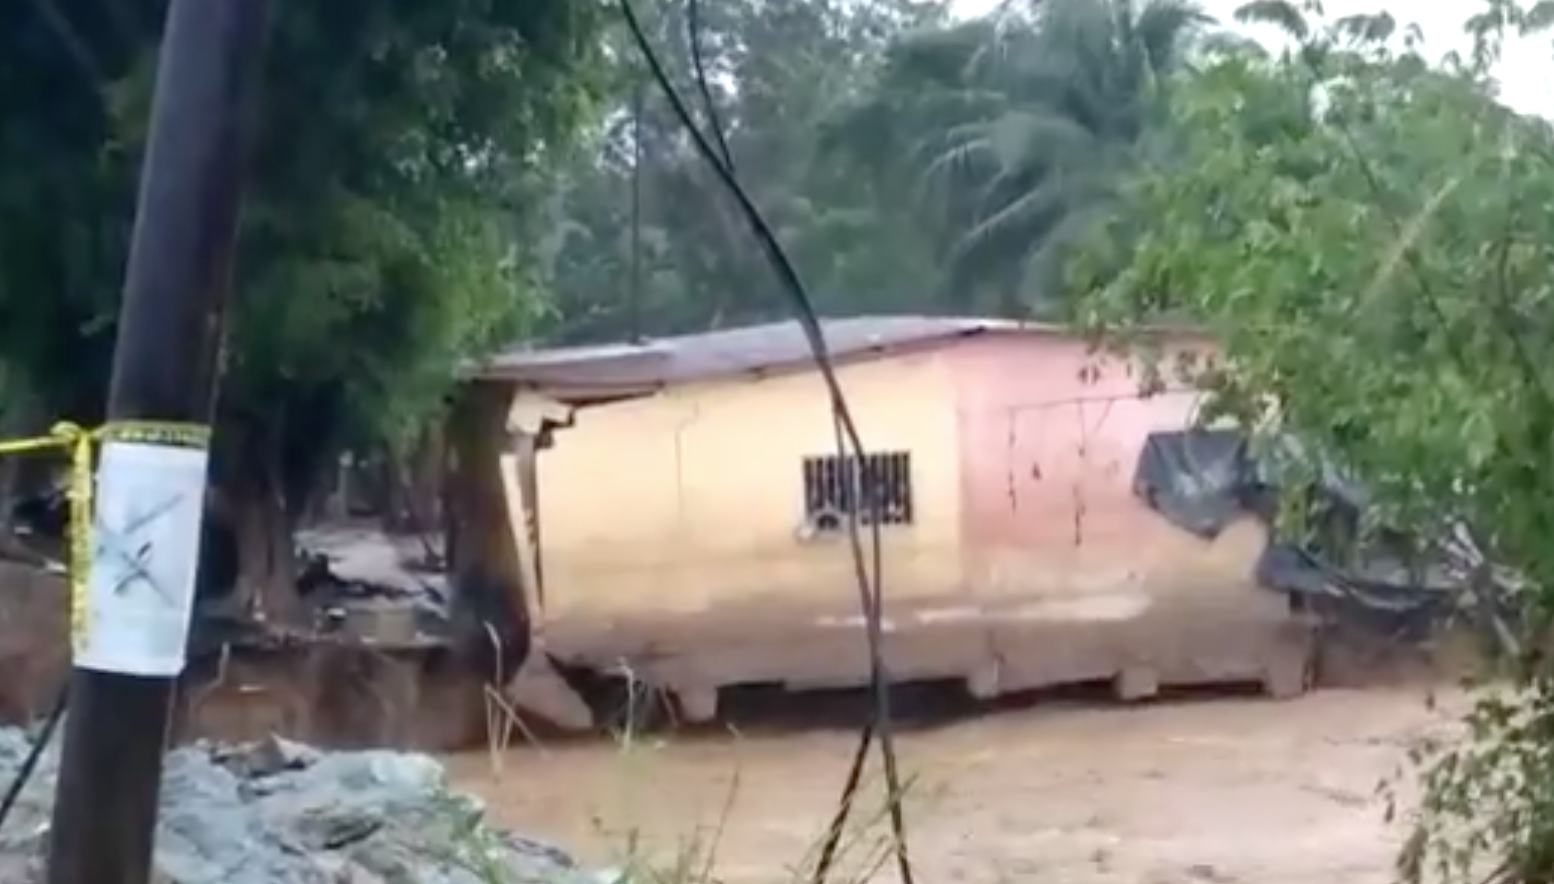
{"points": [[871, 591], [13, 792], [693, 34], [636, 213], [867, 568]]}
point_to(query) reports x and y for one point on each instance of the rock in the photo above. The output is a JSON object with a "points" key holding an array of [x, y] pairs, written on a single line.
{"points": [[207, 832], [268, 756], [278, 812]]}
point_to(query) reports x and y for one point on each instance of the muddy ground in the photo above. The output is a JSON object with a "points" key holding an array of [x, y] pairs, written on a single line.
{"points": [[1217, 790]]}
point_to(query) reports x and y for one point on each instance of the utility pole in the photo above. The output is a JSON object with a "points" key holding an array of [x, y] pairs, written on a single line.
{"points": [[131, 652]]}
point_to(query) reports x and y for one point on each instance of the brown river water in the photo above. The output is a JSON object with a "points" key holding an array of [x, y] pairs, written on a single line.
{"points": [[1209, 789]]}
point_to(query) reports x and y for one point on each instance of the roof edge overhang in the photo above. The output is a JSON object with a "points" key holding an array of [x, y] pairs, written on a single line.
{"points": [[641, 369]]}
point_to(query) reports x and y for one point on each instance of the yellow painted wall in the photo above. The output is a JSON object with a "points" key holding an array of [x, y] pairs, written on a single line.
{"points": [[672, 503]]}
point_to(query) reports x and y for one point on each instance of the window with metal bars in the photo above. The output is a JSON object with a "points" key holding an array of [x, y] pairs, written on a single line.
{"points": [[836, 487]]}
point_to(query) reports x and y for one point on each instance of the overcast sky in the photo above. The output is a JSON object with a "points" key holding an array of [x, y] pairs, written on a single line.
{"points": [[1526, 73]]}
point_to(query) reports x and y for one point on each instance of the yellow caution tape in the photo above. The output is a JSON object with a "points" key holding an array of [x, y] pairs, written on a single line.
{"points": [[79, 442]]}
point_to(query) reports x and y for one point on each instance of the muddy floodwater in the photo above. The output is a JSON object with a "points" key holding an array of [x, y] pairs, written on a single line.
{"points": [[1214, 790]]}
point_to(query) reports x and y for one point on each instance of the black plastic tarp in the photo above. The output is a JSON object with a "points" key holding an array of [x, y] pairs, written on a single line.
{"points": [[1199, 480], [1202, 480]]}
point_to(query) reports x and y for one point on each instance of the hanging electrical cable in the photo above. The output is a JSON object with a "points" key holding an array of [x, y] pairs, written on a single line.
{"points": [[703, 86], [868, 568], [635, 313], [40, 745]]}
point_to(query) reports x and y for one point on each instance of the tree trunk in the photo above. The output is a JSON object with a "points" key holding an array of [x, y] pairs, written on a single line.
{"points": [[426, 482], [267, 566], [488, 593]]}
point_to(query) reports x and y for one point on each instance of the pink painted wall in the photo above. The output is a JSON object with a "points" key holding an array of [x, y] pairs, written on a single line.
{"points": [[1050, 435]]}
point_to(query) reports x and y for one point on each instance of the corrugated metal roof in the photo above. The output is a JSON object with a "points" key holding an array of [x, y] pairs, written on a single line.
{"points": [[730, 351]]}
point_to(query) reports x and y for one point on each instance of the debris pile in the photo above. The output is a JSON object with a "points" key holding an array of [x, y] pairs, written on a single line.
{"points": [[277, 812], [358, 585]]}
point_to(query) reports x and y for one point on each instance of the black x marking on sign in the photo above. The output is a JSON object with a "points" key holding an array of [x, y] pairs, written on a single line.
{"points": [[137, 562]]}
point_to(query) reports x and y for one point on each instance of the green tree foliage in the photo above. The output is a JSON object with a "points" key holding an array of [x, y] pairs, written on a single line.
{"points": [[1368, 235], [909, 162], [684, 261], [400, 151], [1013, 129]]}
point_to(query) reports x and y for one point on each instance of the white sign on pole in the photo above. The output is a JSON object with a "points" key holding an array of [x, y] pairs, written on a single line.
{"points": [[145, 543]]}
